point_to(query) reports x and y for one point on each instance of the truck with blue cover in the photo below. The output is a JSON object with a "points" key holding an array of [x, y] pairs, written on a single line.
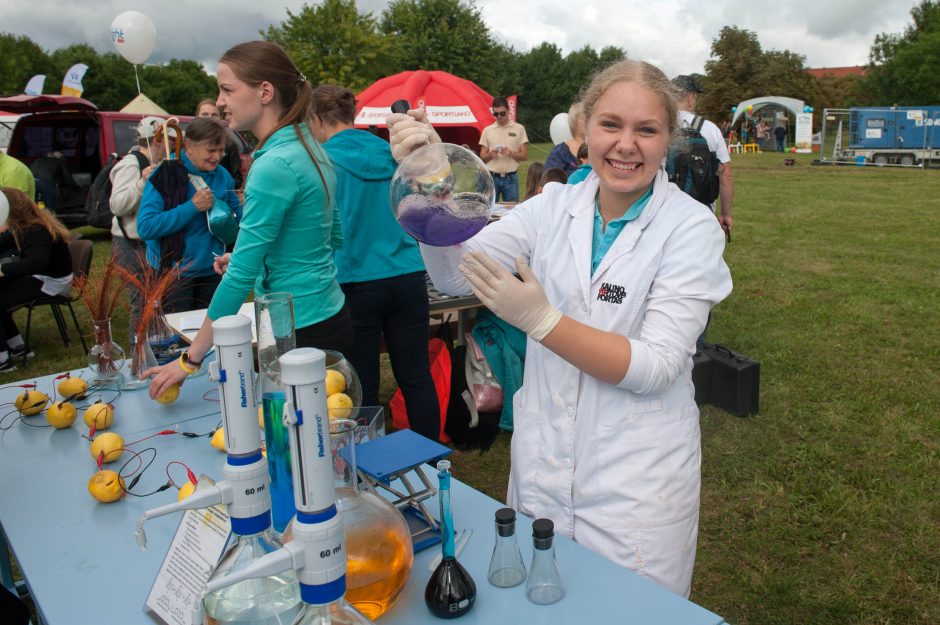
{"points": [[900, 135]]}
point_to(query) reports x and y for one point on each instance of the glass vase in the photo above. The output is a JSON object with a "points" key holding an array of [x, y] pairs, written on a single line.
{"points": [[142, 358], [106, 358], [164, 342]]}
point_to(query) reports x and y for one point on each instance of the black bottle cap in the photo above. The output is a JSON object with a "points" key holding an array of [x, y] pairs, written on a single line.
{"points": [[505, 515], [543, 528], [401, 106]]}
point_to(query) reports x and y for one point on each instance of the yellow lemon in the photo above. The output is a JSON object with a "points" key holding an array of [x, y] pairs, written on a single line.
{"points": [[339, 405], [335, 382], [99, 415], [31, 403], [218, 439], [186, 490], [73, 388], [169, 395], [106, 486], [109, 444], [61, 415]]}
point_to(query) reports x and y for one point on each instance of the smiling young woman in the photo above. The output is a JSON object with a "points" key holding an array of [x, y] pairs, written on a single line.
{"points": [[618, 274]]}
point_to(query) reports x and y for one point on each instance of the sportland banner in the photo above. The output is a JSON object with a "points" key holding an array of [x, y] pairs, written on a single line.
{"points": [[803, 138], [35, 85], [72, 83]]}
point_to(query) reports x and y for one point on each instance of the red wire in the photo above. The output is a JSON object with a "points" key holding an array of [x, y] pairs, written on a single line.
{"points": [[189, 474]]}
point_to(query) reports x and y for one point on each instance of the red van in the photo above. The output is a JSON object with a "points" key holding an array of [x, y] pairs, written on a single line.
{"points": [[86, 137]]}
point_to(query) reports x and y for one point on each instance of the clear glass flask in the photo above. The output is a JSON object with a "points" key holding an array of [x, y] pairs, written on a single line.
{"points": [[451, 591], [506, 566], [339, 612], [379, 551], [274, 316], [544, 585], [273, 600]]}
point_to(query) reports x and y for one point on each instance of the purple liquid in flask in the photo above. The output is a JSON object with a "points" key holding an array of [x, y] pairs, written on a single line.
{"points": [[442, 222]]}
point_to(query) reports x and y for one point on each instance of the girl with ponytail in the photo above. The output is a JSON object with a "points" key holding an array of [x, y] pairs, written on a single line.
{"points": [[290, 225]]}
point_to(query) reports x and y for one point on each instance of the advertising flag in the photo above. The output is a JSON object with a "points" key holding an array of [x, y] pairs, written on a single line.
{"points": [[35, 85], [72, 83]]}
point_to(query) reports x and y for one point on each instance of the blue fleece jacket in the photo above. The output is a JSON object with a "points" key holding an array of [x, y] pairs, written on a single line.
{"points": [[154, 223], [374, 245]]}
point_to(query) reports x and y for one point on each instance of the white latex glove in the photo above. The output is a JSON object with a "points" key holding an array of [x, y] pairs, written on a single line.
{"points": [[408, 132], [521, 303]]}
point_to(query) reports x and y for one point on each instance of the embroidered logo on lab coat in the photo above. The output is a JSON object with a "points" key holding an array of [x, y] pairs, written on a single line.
{"points": [[611, 293]]}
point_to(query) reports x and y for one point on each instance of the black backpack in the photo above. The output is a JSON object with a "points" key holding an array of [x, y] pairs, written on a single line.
{"points": [[98, 203], [692, 165]]}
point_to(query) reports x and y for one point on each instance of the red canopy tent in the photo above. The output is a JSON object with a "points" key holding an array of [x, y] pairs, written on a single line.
{"points": [[458, 108]]}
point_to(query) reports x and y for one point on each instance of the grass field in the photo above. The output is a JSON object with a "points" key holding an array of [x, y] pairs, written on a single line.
{"points": [[825, 507]]}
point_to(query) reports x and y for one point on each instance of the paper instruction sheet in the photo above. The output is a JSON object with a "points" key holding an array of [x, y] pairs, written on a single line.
{"points": [[196, 548]]}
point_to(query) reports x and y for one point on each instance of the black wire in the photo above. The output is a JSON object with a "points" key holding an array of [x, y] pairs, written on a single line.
{"points": [[139, 473]]}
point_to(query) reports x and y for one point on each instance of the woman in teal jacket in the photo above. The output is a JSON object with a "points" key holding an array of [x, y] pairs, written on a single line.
{"points": [[179, 235], [290, 227], [379, 266]]}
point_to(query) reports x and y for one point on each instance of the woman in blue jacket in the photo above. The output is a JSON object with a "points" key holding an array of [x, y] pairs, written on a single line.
{"points": [[379, 266], [179, 235]]}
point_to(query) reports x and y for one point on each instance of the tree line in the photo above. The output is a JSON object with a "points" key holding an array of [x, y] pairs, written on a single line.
{"points": [[332, 42]]}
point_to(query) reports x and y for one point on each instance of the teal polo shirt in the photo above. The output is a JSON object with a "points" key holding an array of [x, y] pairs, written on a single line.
{"points": [[603, 239]]}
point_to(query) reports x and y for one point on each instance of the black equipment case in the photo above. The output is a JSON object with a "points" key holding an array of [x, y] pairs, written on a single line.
{"points": [[734, 383]]}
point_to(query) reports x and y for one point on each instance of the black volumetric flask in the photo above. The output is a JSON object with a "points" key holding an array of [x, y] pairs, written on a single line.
{"points": [[450, 591]]}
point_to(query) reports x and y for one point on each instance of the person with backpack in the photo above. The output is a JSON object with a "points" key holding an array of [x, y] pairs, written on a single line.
{"points": [[120, 191], [706, 173]]}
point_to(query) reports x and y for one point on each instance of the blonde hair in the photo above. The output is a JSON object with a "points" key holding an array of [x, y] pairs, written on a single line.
{"points": [[24, 213], [641, 73], [576, 119]]}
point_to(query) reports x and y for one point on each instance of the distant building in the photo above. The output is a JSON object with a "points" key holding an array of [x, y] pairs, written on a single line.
{"points": [[837, 72]]}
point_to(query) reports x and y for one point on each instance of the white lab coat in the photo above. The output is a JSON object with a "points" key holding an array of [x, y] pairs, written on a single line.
{"points": [[616, 467]]}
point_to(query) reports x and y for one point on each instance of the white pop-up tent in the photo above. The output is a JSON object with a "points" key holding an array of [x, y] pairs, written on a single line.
{"points": [[143, 105]]}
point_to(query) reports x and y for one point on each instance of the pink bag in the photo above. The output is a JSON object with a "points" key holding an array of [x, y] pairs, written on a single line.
{"points": [[487, 393]]}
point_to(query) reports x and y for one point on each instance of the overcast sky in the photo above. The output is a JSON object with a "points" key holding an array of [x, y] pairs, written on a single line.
{"points": [[674, 34]]}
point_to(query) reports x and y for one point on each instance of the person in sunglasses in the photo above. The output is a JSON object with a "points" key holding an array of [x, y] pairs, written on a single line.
{"points": [[503, 145]]}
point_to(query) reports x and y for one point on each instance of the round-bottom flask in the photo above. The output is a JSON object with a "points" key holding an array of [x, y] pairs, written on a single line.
{"points": [[379, 551], [273, 600]]}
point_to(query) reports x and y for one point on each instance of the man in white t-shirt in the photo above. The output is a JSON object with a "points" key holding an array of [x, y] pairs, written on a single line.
{"points": [[688, 90]]}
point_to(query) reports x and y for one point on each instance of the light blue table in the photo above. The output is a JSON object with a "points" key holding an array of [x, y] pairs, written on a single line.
{"points": [[74, 551]]}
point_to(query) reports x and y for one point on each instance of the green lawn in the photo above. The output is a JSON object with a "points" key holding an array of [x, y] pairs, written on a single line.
{"points": [[824, 507]]}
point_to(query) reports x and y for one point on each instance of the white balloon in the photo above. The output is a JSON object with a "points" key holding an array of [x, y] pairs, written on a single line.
{"points": [[558, 129], [134, 36]]}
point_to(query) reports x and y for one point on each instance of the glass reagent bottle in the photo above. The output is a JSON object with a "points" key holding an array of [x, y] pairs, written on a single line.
{"points": [[506, 566], [544, 585]]}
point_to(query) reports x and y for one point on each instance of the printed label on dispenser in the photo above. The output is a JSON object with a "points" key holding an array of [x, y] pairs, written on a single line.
{"points": [[196, 548]]}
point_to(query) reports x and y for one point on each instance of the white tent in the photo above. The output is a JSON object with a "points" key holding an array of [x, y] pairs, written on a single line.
{"points": [[143, 105]]}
